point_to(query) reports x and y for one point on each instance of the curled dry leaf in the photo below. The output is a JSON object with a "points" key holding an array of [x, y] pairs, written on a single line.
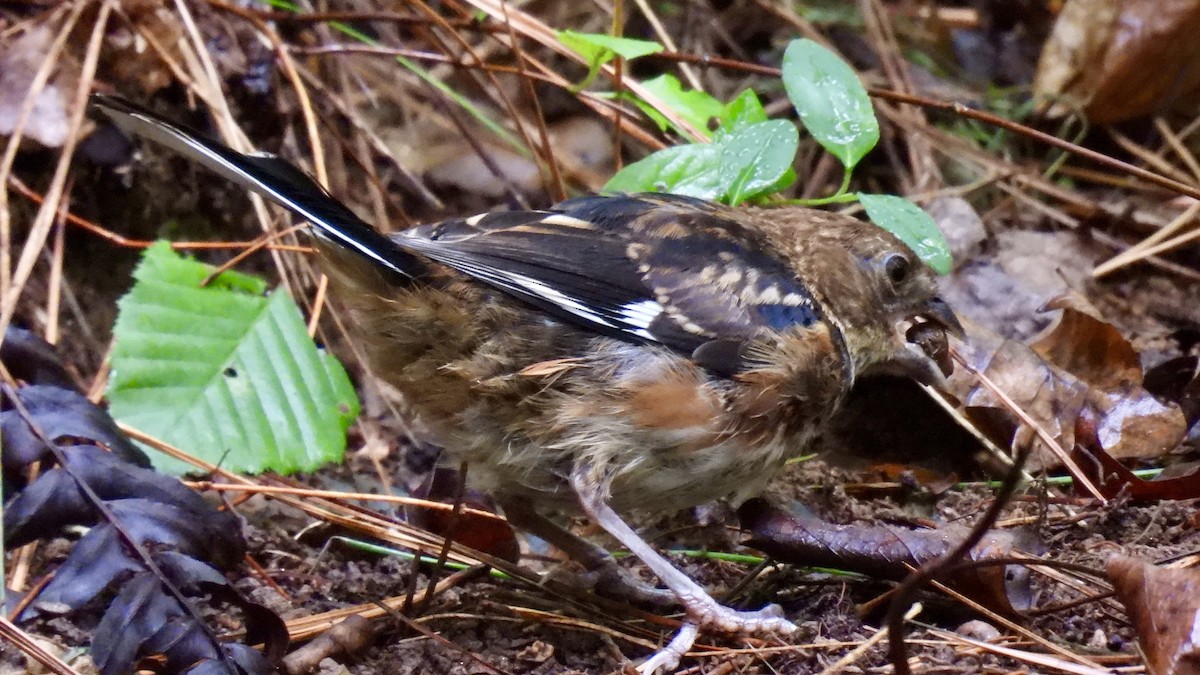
{"points": [[1163, 605], [1113, 479], [1050, 396], [889, 552], [1121, 59], [1083, 344], [1080, 365], [1178, 380], [1132, 422], [490, 535]]}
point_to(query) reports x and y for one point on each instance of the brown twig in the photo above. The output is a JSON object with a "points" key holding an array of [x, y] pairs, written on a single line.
{"points": [[897, 649], [126, 242]]}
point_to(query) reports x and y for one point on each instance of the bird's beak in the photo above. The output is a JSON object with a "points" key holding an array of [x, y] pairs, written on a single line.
{"points": [[925, 356], [937, 311]]}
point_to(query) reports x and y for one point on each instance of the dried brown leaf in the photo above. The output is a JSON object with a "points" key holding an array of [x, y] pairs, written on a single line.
{"points": [[1113, 479], [1121, 59], [890, 552], [490, 535], [1086, 346], [1164, 607], [1050, 396], [1081, 366]]}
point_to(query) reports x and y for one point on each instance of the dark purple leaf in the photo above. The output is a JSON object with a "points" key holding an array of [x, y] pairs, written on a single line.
{"points": [[60, 413], [31, 359], [54, 500]]}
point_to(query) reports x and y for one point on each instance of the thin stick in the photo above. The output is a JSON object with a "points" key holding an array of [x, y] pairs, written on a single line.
{"points": [[1044, 435]]}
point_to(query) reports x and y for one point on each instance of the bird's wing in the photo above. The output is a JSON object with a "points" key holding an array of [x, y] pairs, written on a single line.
{"points": [[649, 268]]}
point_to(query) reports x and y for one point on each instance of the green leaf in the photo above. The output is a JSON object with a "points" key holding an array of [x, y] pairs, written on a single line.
{"points": [[228, 375], [912, 226], [831, 101], [660, 120], [756, 158], [694, 106], [691, 170], [600, 47], [742, 111], [785, 181]]}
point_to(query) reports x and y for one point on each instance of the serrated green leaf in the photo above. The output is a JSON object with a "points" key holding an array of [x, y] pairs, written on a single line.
{"points": [[912, 226], [593, 46], [741, 112], [690, 170], [831, 101], [694, 106], [227, 375], [754, 158]]}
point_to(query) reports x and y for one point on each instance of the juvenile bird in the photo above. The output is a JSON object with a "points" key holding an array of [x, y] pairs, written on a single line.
{"points": [[618, 352]]}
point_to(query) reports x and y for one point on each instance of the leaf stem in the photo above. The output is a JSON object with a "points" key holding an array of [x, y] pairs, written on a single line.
{"points": [[842, 195]]}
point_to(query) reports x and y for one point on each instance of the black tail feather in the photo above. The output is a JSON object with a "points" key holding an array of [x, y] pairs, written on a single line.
{"points": [[269, 176]]}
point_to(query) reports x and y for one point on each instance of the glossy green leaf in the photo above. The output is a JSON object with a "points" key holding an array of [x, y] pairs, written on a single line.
{"points": [[694, 106], [831, 101], [741, 112], [755, 158], [785, 181], [228, 375], [600, 47], [912, 226], [691, 170]]}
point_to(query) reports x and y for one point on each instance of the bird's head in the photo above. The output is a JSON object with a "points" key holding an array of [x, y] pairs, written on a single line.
{"points": [[878, 292]]}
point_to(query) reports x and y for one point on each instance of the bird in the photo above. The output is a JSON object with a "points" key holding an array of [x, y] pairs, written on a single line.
{"points": [[614, 352]]}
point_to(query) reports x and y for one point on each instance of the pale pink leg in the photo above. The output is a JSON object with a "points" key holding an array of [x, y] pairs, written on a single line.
{"points": [[604, 574], [702, 610]]}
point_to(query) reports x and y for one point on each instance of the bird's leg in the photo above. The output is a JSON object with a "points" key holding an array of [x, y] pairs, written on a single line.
{"points": [[702, 610], [604, 574]]}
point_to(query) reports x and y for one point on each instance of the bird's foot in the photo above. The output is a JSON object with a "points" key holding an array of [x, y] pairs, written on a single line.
{"points": [[709, 613], [705, 612]]}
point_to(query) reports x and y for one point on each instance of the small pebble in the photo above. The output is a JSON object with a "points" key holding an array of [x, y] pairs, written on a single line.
{"points": [[978, 630]]}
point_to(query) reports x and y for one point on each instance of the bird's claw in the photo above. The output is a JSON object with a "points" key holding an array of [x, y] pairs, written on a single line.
{"points": [[706, 612], [769, 619]]}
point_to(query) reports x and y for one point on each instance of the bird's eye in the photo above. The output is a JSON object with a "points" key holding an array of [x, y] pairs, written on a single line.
{"points": [[897, 267]]}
